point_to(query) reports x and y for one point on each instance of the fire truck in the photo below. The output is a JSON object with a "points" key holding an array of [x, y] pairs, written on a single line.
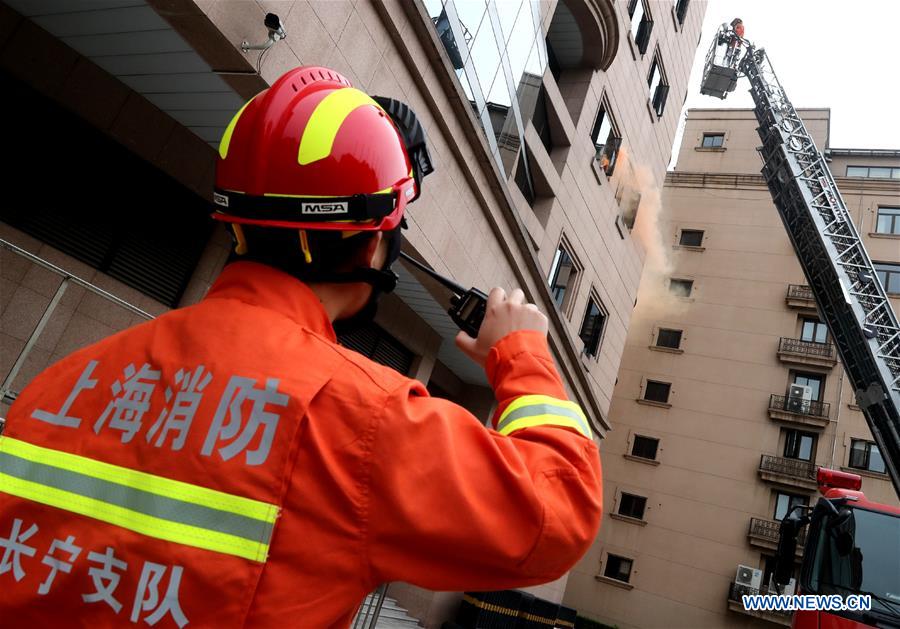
{"points": [[852, 544]]}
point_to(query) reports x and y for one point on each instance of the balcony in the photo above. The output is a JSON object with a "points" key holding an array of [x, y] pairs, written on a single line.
{"points": [[804, 413], [734, 604], [800, 297], [789, 472], [763, 534], [807, 353]]}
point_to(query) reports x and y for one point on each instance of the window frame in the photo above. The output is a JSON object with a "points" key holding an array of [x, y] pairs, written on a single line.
{"points": [[574, 276], [793, 444], [891, 273], [620, 560], [681, 9], [592, 345], [894, 172], [645, 439], [647, 387], [659, 335], [867, 456], [818, 325], [801, 499], [613, 142], [712, 134], [683, 232], [892, 213], [660, 94], [808, 376], [633, 499], [641, 32], [678, 281]]}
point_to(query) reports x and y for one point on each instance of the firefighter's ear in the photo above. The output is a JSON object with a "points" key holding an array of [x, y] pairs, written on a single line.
{"points": [[375, 251]]}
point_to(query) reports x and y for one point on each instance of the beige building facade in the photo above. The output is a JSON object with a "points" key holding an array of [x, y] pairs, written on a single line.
{"points": [[548, 122], [710, 445]]}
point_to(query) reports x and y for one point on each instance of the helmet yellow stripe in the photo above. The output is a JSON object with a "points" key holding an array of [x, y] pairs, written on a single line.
{"points": [[325, 122], [226, 137]]}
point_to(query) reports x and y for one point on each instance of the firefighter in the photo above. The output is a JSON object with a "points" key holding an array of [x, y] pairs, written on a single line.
{"points": [[229, 464]]}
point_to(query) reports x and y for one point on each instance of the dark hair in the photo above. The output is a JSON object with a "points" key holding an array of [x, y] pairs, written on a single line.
{"points": [[281, 248]]}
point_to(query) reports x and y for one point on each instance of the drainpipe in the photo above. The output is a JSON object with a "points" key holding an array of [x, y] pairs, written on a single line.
{"points": [[837, 417]]}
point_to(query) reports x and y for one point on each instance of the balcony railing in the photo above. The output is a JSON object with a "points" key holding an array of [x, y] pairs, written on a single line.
{"points": [[768, 530], [810, 348], [800, 291], [801, 407], [796, 468], [735, 603]]}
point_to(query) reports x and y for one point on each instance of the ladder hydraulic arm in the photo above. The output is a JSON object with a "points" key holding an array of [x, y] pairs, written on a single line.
{"points": [[849, 296]]}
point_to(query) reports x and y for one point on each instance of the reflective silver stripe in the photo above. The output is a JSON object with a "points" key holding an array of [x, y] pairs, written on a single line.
{"points": [[533, 410], [144, 502]]}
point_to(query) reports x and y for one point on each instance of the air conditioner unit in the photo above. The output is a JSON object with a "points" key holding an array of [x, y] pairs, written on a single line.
{"points": [[799, 398], [749, 577], [787, 590]]}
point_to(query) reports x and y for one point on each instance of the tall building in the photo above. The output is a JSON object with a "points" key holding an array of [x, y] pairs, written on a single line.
{"points": [[730, 392], [547, 121]]}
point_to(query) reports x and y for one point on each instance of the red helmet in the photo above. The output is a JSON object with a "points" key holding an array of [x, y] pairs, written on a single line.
{"points": [[312, 152]]}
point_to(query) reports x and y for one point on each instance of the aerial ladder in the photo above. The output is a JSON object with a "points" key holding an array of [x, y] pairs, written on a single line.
{"points": [[852, 543], [848, 294]]}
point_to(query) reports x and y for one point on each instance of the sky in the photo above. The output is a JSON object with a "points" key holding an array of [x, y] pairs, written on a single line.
{"points": [[842, 55]]}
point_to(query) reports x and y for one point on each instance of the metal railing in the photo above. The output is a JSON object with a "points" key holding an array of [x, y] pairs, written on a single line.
{"points": [[737, 590], [7, 394], [800, 406], [800, 291], [808, 348], [769, 530], [795, 468], [368, 613]]}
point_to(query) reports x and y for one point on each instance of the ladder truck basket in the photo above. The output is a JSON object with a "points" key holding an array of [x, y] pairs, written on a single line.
{"points": [[720, 70]]}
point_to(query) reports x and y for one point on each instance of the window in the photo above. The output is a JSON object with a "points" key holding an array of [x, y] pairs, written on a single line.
{"points": [[606, 138], [632, 506], [659, 86], [523, 178], [541, 121], [873, 171], [799, 445], [713, 140], [562, 276], [618, 568], [691, 238], [657, 391], [668, 338], [864, 455], [888, 221], [889, 274], [645, 447], [681, 288], [681, 8], [592, 327], [814, 331], [641, 24], [813, 381], [784, 503]]}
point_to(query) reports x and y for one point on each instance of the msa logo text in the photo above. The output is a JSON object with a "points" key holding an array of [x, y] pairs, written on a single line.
{"points": [[220, 199], [324, 208]]}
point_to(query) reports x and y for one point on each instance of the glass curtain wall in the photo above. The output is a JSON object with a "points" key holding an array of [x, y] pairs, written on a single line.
{"points": [[499, 56]]}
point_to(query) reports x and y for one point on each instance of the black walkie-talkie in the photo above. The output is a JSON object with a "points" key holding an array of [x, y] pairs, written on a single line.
{"points": [[467, 307]]}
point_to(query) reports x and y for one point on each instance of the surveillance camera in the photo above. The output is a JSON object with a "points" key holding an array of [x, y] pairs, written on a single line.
{"points": [[273, 23], [276, 33]]}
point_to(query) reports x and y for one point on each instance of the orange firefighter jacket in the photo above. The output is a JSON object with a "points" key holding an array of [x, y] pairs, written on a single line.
{"points": [[229, 464]]}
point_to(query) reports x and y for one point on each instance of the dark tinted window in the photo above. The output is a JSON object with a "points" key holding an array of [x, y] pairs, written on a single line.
{"points": [[632, 506], [657, 391], [645, 447], [669, 338], [691, 237], [592, 327], [618, 568]]}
